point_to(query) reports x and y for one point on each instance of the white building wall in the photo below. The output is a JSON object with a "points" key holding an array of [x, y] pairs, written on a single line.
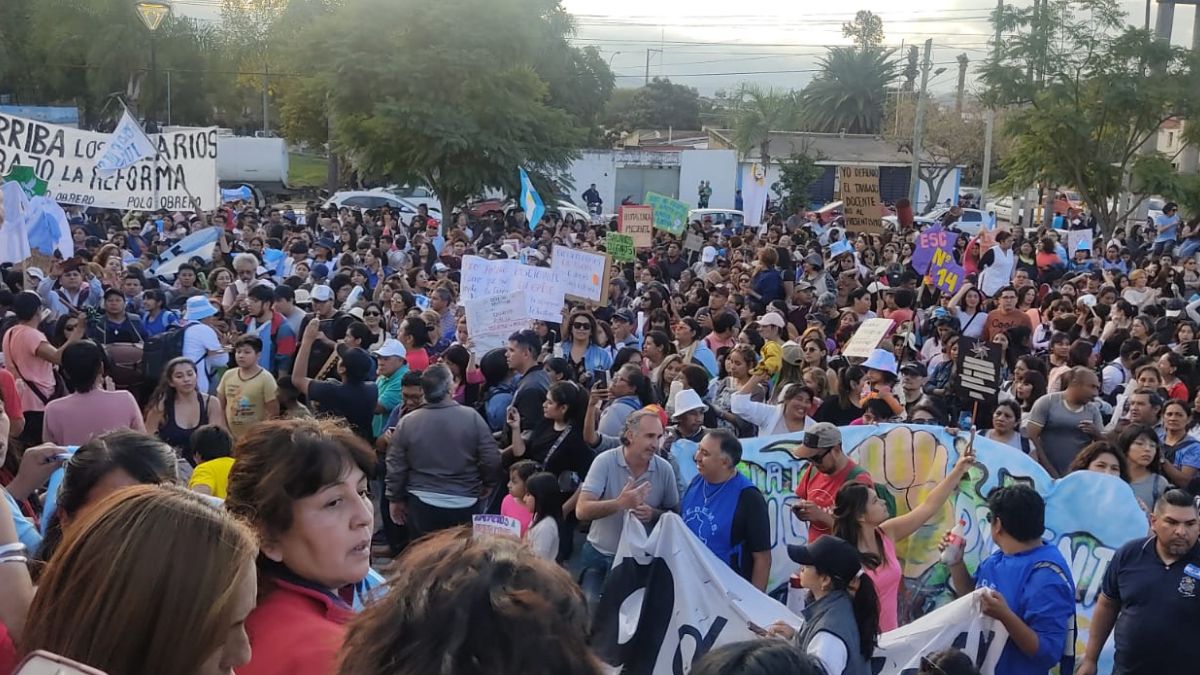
{"points": [[599, 167], [718, 167]]}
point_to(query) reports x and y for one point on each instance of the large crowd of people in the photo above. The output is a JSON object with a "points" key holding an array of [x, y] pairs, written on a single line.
{"points": [[199, 468]]}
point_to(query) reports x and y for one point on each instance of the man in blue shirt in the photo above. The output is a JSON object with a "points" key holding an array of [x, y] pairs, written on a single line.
{"points": [[1166, 228], [1150, 593], [1031, 590]]}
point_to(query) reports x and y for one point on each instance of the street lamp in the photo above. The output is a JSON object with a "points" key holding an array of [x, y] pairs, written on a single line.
{"points": [[152, 13]]}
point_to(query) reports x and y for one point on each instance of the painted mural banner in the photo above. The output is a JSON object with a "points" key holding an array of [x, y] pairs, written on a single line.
{"points": [[1088, 514]]}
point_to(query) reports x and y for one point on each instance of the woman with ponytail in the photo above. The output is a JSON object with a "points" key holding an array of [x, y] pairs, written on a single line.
{"points": [[841, 619], [861, 518]]}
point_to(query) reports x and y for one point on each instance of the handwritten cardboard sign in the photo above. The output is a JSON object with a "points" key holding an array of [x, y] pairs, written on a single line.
{"points": [[583, 274], [619, 246], [491, 319], [860, 196], [495, 525], [543, 292], [637, 222], [867, 337], [670, 215]]}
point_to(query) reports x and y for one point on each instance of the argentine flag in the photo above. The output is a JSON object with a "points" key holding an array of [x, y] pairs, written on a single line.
{"points": [[127, 146], [530, 201]]}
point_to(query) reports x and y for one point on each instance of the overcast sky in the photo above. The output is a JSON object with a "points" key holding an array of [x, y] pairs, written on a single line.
{"points": [[714, 45]]}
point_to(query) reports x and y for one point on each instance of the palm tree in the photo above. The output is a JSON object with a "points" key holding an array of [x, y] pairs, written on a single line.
{"points": [[849, 93], [757, 113]]}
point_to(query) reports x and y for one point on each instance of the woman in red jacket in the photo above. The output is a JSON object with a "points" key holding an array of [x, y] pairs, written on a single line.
{"points": [[302, 485]]}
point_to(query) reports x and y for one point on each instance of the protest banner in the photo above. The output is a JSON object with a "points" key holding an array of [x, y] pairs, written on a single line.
{"points": [[693, 242], [669, 600], [867, 337], [929, 241], [946, 274], [619, 246], [863, 210], [583, 275], [1088, 514], [543, 292], [491, 319], [637, 222], [66, 159], [670, 215], [979, 371], [495, 525]]}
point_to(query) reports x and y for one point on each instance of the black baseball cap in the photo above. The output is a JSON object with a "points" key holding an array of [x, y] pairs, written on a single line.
{"points": [[914, 368], [830, 555]]}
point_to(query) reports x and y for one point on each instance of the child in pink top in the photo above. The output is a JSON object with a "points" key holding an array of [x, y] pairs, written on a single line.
{"points": [[513, 504]]}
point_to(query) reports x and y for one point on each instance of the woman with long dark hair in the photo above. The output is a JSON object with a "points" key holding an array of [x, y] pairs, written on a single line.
{"points": [[841, 619], [177, 407], [861, 517], [556, 442]]}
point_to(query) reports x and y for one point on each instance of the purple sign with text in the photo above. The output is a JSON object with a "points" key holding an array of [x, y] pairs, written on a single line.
{"points": [[929, 241]]}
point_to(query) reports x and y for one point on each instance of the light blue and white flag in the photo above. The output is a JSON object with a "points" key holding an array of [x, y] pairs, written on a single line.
{"points": [[128, 145], [530, 201]]}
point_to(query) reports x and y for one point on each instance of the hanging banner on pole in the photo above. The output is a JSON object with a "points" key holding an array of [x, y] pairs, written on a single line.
{"points": [[66, 159], [860, 195]]}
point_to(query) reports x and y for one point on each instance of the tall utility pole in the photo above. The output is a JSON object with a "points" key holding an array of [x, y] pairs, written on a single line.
{"points": [[990, 123], [914, 179], [266, 86], [648, 62], [963, 61]]}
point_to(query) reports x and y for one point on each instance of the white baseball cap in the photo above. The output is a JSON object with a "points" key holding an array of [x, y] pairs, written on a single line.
{"points": [[392, 347], [321, 294]]}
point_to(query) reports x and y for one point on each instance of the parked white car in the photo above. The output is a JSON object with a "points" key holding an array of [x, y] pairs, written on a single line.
{"points": [[417, 194], [969, 223], [375, 199]]}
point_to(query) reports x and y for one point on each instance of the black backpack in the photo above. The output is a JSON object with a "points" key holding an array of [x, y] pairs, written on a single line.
{"points": [[160, 349]]}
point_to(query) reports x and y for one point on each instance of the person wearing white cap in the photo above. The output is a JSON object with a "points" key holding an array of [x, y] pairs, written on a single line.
{"points": [[200, 342], [770, 327], [880, 379], [390, 367], [707, 262]]}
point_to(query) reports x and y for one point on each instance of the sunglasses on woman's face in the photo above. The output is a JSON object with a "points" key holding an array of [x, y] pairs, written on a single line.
{"points": [[373, 314], [581, 326]]}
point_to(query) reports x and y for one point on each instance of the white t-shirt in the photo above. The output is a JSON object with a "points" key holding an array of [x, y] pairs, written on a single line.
{"points": [[829, 649], [198, 341], [543, 539]]}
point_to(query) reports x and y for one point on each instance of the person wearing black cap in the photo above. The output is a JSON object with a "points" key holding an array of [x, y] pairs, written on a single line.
{"points": [[912, 381], [841, 619], [353, 398], [624, 331]]}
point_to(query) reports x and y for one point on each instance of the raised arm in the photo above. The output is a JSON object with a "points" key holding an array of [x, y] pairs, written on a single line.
{"points": [[300, 368], [902, 527]]}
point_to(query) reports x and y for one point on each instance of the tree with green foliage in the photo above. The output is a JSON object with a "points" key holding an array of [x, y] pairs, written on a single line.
{"points": [[1088, 94], [796, 174], [661, 104], [850, 91], [757, 112], [866, 29], [445, 103]]}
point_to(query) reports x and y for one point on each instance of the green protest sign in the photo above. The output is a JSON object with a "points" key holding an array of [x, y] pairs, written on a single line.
{"points": [[619, 246], [670, 215]]}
